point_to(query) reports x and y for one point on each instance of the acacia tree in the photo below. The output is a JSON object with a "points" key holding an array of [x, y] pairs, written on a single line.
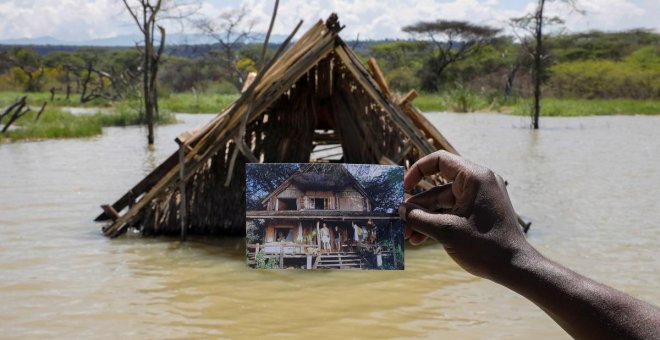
{"points": [[454, 41], [533, 24], [148, 15], [231, 30]]}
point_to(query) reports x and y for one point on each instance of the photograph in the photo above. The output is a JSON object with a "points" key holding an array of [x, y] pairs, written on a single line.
{"points": [[324, 216]]}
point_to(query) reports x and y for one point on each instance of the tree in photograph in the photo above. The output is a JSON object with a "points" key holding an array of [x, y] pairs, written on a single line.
{"points": [[533, 24], [262, 180], [231, 30], [454, 41], [148, 15]]}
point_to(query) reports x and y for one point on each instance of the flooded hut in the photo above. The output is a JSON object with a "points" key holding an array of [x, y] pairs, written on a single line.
{"points": [[314, 101]]}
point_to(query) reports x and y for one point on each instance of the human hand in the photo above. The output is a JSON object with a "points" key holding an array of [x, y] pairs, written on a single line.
{"points": [[472, 216]]}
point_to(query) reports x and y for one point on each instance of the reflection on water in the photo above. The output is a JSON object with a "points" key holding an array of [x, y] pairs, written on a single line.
{"points": [[588, 184]]}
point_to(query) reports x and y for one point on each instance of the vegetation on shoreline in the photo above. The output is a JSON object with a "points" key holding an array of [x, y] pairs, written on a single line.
{"points": [[192, 102], [589, 73], [558, 107], [55, 123]]}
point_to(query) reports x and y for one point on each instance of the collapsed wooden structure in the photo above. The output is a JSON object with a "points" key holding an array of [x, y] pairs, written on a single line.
{"points": [[317, 93]]}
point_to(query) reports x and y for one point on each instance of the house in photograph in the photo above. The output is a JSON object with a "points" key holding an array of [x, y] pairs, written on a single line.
{"points": [[322, 217]]}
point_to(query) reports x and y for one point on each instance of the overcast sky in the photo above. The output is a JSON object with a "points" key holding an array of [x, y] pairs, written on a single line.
{"points": [[76, 20]]}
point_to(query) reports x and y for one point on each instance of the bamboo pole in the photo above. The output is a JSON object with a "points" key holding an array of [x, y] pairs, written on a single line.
{"points": [[182, 190]]}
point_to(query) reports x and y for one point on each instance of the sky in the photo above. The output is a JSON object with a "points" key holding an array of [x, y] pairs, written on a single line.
{"points": [[79, 20]]}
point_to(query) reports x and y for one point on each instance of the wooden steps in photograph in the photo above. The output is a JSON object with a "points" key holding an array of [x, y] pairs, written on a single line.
{"points": [[349, 260]]}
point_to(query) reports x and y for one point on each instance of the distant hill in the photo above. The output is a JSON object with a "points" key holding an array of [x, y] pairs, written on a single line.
{"points": [[125, 40], [181, 45]]}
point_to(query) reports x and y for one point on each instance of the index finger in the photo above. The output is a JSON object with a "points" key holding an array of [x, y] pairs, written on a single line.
{"points": [[443, 162]]}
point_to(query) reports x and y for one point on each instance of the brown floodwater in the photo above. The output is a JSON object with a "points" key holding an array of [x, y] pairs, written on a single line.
{"points": [[591, 186]]}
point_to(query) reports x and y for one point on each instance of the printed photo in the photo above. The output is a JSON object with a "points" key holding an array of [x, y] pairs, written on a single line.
{"points": [[324, 216]]}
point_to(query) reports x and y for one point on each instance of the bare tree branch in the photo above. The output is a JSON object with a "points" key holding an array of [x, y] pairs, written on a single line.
{"points": [[270, 29]]}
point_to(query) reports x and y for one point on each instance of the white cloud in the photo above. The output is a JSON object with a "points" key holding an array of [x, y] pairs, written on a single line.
{"points": [[79, 20], [64, 19], [606, 15]]}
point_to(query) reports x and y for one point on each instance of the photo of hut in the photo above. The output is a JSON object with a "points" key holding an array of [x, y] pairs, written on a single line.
{"points": [[324, 215]]}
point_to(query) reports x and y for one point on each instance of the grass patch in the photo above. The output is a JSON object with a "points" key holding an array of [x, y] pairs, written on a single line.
{"points": [[37, 98], [55, 123], [126, 114], [431, 102], [52, 124], [196, 103], [462, 101], [562, 107]]}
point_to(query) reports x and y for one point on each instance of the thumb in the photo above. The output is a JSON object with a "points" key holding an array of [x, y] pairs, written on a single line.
{"points": [[435, 225]]}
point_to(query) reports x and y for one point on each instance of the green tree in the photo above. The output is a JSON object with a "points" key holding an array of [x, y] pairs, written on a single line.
{"points": [[454, 41], [30, 65], [401, 61]]}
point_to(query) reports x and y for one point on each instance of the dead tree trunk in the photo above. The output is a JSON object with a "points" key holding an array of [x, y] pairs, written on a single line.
{"points": [[538, 64], [14, 111], [510, 77]]}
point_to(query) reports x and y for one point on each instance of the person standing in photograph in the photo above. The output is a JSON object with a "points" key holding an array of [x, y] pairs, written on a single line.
{"points": [[325, 237], [337, 239]]}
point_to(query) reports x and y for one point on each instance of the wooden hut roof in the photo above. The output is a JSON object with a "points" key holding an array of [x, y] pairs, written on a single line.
{"points": [[320, 177], [315, 92]]}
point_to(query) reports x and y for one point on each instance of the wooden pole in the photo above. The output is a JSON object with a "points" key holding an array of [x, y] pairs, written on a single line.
{"points": [[393, 247], [281, 255], [182, 190], [318, 235]]}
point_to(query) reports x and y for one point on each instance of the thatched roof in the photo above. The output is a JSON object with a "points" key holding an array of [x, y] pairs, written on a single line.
{"points": [[316, 92], [320, 177]]}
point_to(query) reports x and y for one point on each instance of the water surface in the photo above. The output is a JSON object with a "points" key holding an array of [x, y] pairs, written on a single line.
{"points": [[590, 185]]}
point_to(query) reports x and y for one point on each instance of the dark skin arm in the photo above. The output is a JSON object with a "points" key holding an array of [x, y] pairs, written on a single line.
{"points": [[472, 217]]}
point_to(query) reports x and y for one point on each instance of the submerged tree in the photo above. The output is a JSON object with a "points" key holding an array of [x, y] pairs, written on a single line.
{"points": [[454, 41], [533, 24], [148, 15]]}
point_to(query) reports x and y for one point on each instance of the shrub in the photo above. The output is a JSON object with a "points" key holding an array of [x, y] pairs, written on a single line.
{"points": [[637, 76]]}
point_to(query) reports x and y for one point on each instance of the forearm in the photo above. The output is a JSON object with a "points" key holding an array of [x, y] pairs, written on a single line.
{"points": [[583, 307]]}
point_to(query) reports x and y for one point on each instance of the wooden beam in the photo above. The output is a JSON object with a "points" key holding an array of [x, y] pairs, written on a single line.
{"points": [[401, 119], [404, 152], [141, 187], [379, 77], [110, 211], [245, 150], [408, 98], [439, 141], [182, 192]]}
